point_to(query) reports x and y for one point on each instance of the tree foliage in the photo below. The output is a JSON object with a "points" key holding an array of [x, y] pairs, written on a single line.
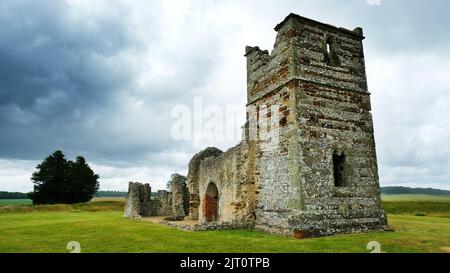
{"points": [[13, 195], [61, 181]]}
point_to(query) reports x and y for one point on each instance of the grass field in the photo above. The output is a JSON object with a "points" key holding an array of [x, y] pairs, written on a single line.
{"points": [[26, 202], [8, 202], [100, 227], [415, 198]]}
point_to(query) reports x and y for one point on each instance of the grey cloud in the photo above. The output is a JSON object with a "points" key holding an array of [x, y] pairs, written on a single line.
{"points": [[63, 81], [101, 79]]}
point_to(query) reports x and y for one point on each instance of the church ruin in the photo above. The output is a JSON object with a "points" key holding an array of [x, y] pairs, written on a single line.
{"points": [[309, 167], [321, 177]]}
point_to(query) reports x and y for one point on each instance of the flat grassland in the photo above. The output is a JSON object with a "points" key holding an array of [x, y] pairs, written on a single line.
{"points": [[8, 202], [420, 224]]}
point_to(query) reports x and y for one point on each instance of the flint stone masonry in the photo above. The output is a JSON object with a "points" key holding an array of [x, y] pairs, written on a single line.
{"points": [[178, 197], [164, 206], [321, 177], [139, 203], [194, 165]]}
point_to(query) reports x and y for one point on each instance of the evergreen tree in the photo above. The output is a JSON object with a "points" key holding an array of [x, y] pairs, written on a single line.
{"points": [[50, 180], [58, 181], [83, 182]]}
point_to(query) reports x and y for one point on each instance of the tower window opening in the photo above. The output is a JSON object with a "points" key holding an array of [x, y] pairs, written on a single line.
{"points": [[331, 57], [339, 170]]}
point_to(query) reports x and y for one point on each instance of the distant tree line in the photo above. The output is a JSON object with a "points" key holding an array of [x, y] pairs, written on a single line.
{"points": [[111, 194], [406, 190], [13, 195]]}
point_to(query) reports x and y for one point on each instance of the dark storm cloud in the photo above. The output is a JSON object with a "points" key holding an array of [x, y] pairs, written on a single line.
{"points": [[52, 71], [69, 80], [41, 52]]}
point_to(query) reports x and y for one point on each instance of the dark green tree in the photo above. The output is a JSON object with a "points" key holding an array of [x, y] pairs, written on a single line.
{"points": [[58, 181], [83, 182], [50, 180]]}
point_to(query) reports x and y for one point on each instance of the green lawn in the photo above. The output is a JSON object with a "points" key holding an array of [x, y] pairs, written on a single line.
{"points": [[100, 227]]}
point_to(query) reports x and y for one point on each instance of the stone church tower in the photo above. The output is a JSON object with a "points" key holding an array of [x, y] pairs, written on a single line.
{"points": [[307, 164]]}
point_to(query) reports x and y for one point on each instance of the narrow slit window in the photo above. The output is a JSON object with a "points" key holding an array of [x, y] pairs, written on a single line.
{"points": [[331, 57], [339, 170]]}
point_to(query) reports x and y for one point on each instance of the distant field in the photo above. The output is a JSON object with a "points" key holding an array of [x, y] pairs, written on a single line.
{"points": [[414, 198], [7, 202], [19, 202], [419, 205], [385, 198], [108, 199], [93, 206], [99, 226]]}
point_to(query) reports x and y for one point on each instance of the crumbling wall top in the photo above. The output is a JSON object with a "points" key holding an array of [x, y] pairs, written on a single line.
{"points": [[357, 32]]}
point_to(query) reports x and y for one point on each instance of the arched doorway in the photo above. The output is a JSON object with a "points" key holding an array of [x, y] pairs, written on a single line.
{"points": [[211, 203]]}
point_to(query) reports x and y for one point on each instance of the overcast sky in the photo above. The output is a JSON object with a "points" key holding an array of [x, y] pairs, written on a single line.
{"points": [[101, 78]]}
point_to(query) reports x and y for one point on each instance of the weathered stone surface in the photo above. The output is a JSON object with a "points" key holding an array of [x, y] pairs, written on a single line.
{"points": [[138, 201], [194, 165], [320, 177], [178, 184], [164, 200], [171, 204]]}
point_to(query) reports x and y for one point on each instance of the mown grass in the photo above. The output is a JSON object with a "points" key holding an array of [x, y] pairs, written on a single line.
{"points": [[99, 227], [110, 232]]}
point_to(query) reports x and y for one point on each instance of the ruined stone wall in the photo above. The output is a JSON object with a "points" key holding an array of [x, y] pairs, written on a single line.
{"points": [[178, 211], [270, 85], [316, 74], [233, 174], [138, 202], [193, 176], [164, 200], [272, 169], [309, 167], [333, 117]]}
